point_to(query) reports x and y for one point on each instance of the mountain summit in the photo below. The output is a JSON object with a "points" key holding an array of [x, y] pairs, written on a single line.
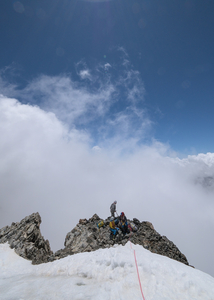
{"points": [[26, 239]]}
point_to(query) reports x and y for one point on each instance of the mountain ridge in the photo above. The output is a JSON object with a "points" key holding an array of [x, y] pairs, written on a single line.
{"points": [[26, 239]]}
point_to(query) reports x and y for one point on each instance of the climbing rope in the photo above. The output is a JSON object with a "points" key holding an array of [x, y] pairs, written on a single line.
{"points": [[137, 272]]}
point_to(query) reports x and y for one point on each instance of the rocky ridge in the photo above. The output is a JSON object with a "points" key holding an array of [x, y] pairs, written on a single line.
{"points": [[86, 237], [26, 239]]}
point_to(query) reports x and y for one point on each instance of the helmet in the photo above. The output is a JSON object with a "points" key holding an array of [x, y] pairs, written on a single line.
{"points": [[115, 202], [112, 219], [122, 214]]}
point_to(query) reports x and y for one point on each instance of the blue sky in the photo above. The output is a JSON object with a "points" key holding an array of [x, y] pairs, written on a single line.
{"points": [[104, 101], [170, 44]]}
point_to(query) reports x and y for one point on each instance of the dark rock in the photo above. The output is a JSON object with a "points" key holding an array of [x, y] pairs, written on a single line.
{"points": [[95, 218], [26, 239], [86, 237], [83, 221], [136, 221]]}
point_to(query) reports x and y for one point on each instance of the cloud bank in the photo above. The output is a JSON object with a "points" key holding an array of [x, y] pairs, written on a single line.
{"points": [[69, 151]]}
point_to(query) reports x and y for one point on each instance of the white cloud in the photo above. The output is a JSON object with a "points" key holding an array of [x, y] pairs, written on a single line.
{"points": [[85, 74], [72, 149], [123, 51], [70, 101], [108, 105], [83, 71], [107, 66], [47, 167]]}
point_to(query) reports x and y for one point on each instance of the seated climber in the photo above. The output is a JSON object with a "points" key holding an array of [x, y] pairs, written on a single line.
{"points": [[123, 224], [113, 228]]}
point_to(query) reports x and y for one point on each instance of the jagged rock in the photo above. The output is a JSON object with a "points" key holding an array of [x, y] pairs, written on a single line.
{"points": [[86, 237], [83, 221], [26, 239]]}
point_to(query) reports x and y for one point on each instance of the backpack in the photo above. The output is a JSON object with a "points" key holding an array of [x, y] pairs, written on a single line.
{"points": [[132, 227], [112, 225], [100, 224]]}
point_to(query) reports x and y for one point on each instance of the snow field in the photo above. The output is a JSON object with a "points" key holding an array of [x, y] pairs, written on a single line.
{"points": [[103, 274]]}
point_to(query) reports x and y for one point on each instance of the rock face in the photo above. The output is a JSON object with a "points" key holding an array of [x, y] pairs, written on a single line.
{"points": [[86, 237], [26, 239]]}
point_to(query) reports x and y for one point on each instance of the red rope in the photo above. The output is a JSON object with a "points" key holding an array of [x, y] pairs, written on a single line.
{"points": [[138, 273]]}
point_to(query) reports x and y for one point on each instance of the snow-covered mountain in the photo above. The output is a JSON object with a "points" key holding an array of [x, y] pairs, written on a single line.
{"points": [[103, 274]]}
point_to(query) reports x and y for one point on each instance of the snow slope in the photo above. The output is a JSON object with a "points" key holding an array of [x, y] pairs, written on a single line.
{"points": [[104, 274]]}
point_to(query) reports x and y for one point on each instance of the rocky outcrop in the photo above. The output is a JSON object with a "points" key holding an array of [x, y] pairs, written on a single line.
{"points": [[26, 239], [86, 237]]}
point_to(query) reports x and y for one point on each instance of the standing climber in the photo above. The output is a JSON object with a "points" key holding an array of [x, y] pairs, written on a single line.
{"points": [[113, 208]]}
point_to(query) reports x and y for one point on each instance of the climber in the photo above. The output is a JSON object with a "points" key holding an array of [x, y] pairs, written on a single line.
{"points": [[123, 224], [113, 228], [113, 208]]}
